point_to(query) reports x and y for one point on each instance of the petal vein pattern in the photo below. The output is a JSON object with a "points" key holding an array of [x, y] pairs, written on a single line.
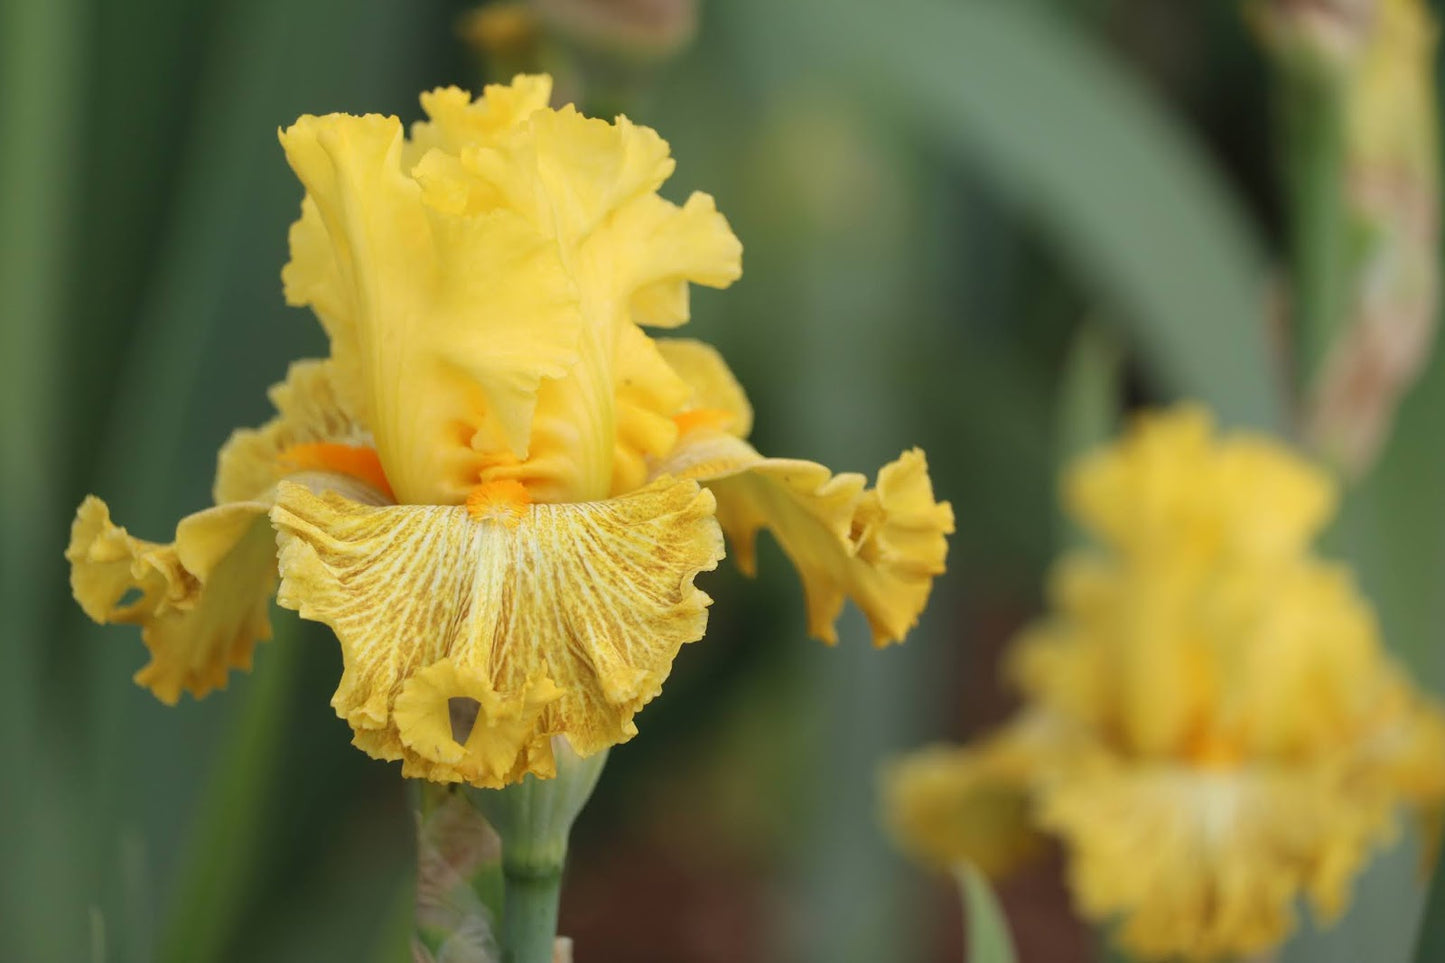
{"points": [[563, 623]]}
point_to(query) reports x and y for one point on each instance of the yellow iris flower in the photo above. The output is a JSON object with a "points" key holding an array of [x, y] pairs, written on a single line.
{"points": [[1211, 725], [498, 489]]}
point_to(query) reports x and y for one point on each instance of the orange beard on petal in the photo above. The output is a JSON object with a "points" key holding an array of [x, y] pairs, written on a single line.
{"points": [[358, 461], [502, 501], [702, 418]]}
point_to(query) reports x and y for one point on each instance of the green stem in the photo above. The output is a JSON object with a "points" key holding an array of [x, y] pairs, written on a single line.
{"points": [[989, 940], [529, 917], [533, 817], [1312, 128]]}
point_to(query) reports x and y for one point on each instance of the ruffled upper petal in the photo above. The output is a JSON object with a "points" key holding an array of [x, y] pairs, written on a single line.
{"points": [[202, 601], [490, 291], [1170, 486], [456, 122], [447, 324], [547, 620], [882, 547]]}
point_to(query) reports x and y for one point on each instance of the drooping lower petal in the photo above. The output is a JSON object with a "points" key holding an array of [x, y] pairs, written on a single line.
{"points": [[195, 636], [550, 619], [1203, 864], [202, 600], [949, 806], [881, 547]]}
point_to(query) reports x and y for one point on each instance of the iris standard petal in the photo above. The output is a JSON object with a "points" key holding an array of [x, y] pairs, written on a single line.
{"points": [[483, 294], [445, 323]]}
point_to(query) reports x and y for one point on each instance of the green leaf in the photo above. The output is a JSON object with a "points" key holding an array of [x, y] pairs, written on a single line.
{"points": [[223, 851], [988, 934], [1082, 147], [1089, 403], [1431, 944], [42, 71]]}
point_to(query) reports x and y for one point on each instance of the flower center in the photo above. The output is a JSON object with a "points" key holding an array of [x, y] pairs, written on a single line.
{"points": [[503, 500], [1208, 748]]}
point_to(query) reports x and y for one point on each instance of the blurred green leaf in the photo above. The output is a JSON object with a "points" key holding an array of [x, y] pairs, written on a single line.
{"points": [[1431, 944], [42, 74], [988, 934], [1101, 166], [1090, 401], [223, 850]]}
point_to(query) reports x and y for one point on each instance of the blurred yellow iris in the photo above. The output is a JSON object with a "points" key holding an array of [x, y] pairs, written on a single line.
{"points": [[1211, 726], [498, 489]]}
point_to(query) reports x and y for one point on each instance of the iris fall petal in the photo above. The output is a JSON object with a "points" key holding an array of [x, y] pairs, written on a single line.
{"points": [[562, 620]]}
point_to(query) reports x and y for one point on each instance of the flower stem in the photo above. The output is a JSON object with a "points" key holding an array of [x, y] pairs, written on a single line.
{"points": [[529, 915], [534, 817]]}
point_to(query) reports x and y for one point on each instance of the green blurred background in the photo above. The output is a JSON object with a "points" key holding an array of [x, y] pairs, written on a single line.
{"points": [[957, 215]]}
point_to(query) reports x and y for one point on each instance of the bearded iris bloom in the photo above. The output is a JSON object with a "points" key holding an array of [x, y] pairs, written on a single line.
{"points": [[1211, 726], [499, 489]]}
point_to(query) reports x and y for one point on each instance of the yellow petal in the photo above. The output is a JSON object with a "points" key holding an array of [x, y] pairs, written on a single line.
{"points": [[593, 184], [314, 277], [201, 602], [1212, 664], [882, 547], [1206, 864], [455, 121], [949, 806], [649, 391], [459, 728], [1170, 486], [492, 289], [590, 599], [448, 323], [713, 386], [310, 409]]}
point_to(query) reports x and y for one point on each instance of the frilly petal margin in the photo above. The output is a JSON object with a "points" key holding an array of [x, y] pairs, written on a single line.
{"points": [[477, 293], [202, 601], [563, 620], [195, 637], [1207, 864], [881, 547], [478, 308]]}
